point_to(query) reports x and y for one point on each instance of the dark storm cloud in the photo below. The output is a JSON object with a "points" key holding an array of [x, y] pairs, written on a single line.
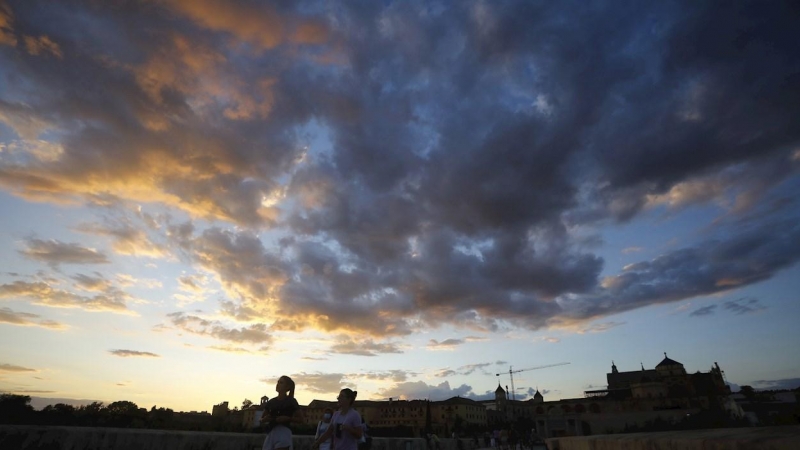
{"points": [[465, 144], [713, 266]]}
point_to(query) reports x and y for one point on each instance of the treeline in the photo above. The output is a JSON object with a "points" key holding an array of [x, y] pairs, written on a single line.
{"points": [[16, 410]]}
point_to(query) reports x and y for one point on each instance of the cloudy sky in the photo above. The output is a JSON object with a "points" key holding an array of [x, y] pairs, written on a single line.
{"points": [[406, 198]]}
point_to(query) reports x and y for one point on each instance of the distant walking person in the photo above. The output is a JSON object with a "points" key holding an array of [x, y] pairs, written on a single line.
{"points": [[345, 425], [279, 413], [322, 426]]}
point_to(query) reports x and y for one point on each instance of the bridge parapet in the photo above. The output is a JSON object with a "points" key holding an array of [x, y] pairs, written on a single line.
{"points": [[756, 438], [30, 437]]}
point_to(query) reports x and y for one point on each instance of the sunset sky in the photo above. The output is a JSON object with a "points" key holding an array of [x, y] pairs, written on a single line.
{"points": [[405, 198]]}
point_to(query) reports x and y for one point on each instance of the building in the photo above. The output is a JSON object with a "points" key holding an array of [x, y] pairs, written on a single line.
{"points": [[414, 416], [457, 413], [637, 398], [251, 415], [503, 411], [220, 410]]}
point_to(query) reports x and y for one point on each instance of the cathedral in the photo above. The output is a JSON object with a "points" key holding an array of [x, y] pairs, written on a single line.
{"points": [[633, 398]]}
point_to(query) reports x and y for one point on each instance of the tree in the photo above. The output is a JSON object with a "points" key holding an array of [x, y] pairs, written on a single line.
{"points": [[125, 414], [246, 404], [92, 414], [58, 414], [122, 407], [160, 418], [15, 409]]}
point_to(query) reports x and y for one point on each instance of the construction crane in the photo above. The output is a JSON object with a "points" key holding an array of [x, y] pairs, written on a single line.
{"points": [[511, 373]]}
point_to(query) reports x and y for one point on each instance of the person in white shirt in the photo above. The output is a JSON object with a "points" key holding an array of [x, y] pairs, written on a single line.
{"points": [[322, 427]]}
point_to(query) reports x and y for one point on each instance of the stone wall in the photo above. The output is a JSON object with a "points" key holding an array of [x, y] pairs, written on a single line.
{"points": [[757, 438], [29, 437]]}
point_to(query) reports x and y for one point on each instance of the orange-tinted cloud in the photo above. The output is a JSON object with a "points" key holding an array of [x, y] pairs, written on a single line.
{"points": [[43, 294], [133, 353], [311, 33], [96, 283], [9, 316], [364, 347], [41, 45], [253, 334], [7, 36], [258, 24], [12, 368], [127, 239], [56, 252]]}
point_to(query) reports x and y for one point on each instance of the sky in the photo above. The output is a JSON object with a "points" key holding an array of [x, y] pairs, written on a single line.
{"points": [[406, 198]]}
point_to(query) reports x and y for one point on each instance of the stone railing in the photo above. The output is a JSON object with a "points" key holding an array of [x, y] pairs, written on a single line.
{"points": [[756, 438], [29, 437]]}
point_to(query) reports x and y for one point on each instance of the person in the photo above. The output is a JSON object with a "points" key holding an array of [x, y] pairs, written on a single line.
{"points": [[435, 440], [322, 426], [345, 425], [365, 443], [279, 413]]}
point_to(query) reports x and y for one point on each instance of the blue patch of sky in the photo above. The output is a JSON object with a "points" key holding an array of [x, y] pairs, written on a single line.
{"points": [[769, 334], [23, 219], [473, 247], [7, 134], [95, 35], [651, 234], [316, 138], [425, 131]]}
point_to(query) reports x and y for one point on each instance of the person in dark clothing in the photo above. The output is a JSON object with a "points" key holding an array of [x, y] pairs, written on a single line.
{"points": [[279, 413]]}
